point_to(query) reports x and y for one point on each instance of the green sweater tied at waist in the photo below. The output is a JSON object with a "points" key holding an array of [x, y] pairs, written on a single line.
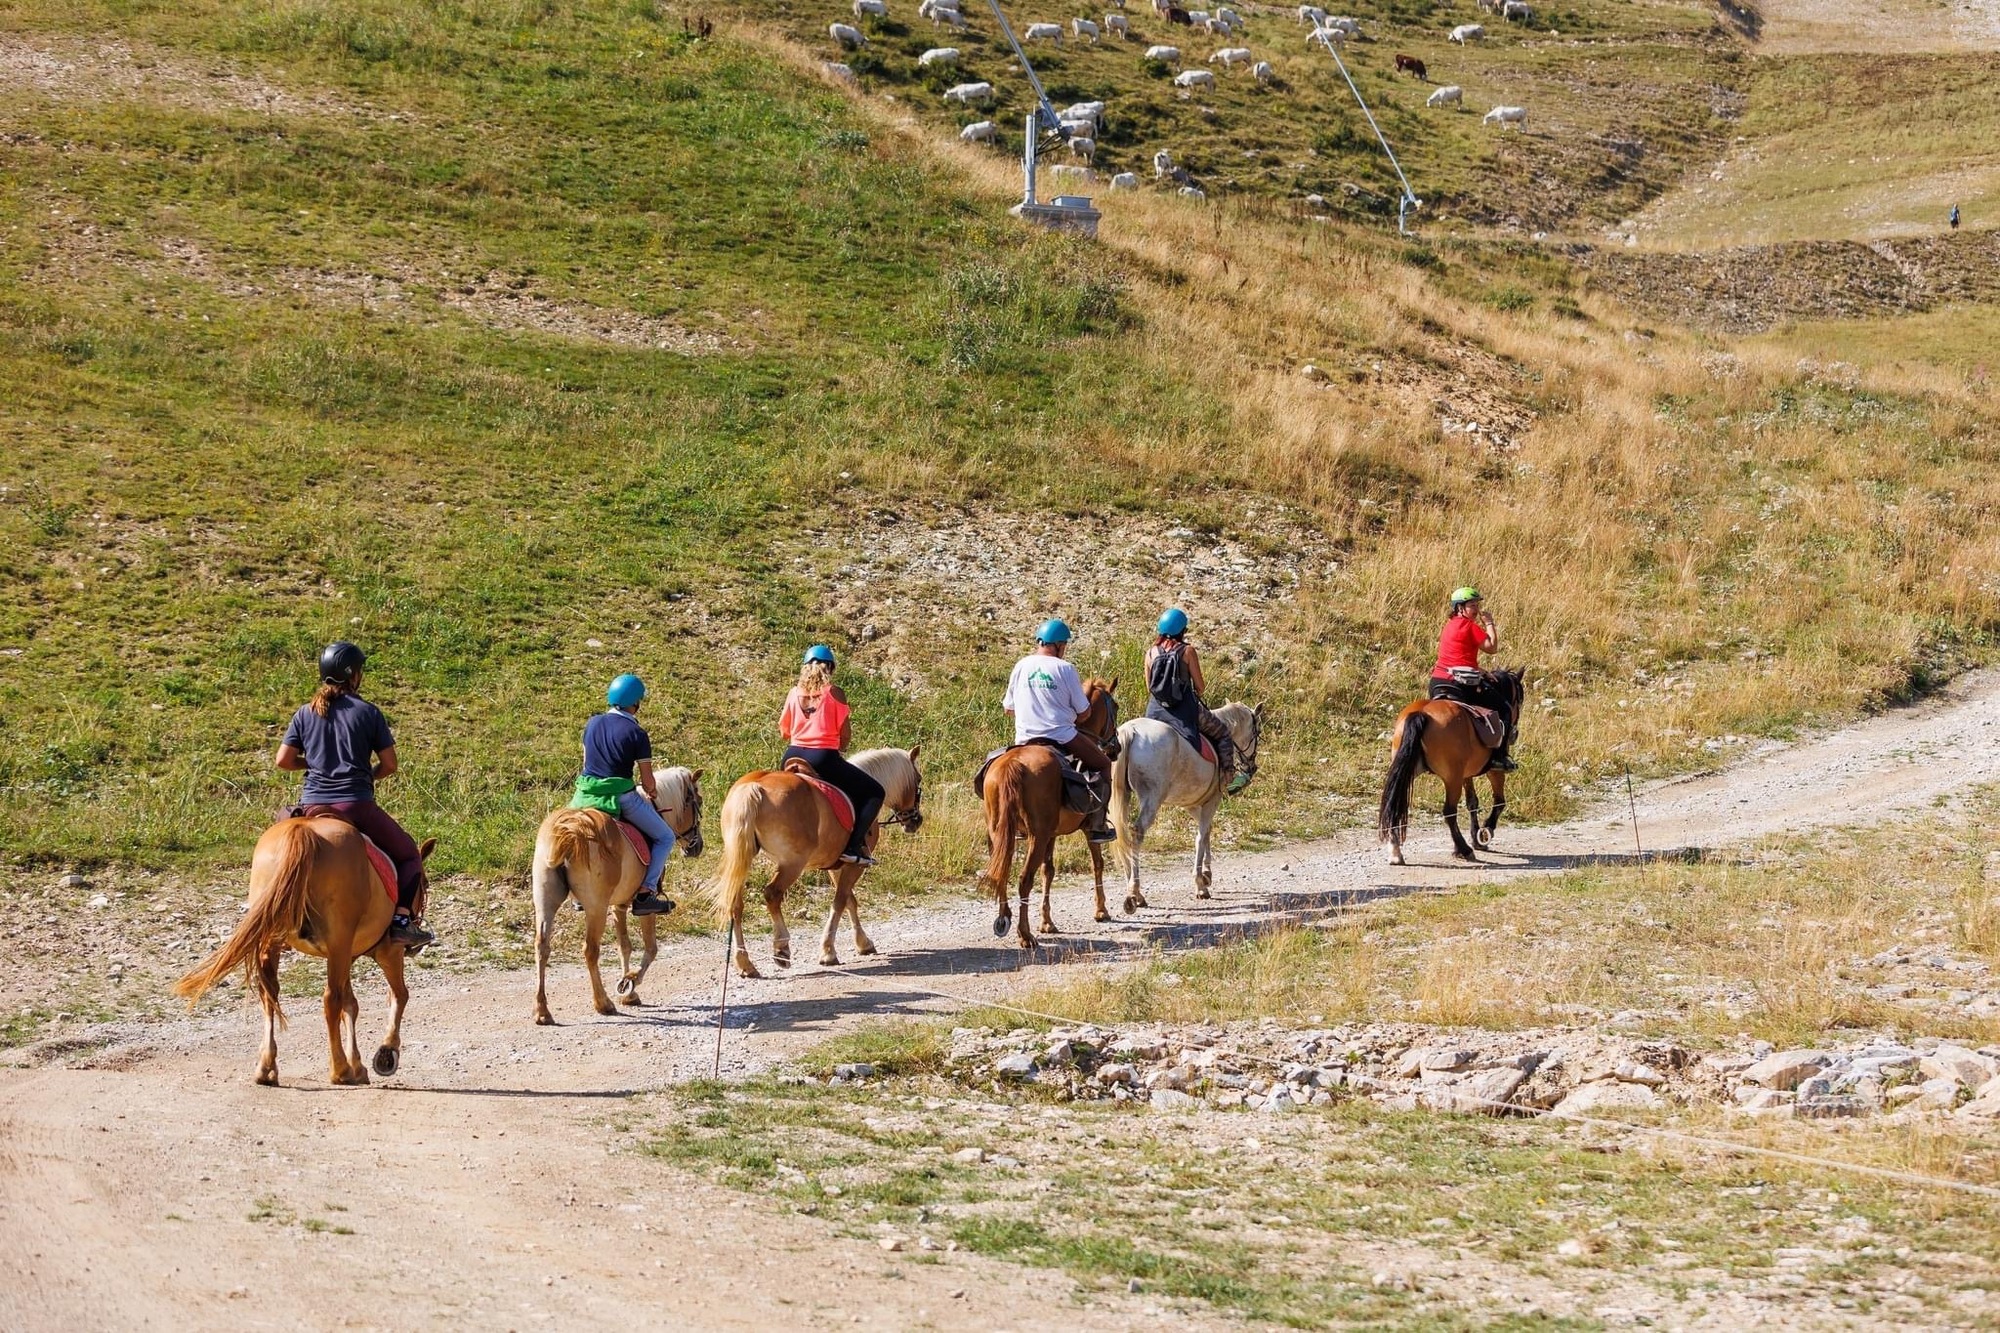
{"points": [[599, 793]]}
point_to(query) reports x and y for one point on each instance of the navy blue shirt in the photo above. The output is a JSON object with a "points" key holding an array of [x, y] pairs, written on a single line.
{"points": [[340, 748], [612, 744]]}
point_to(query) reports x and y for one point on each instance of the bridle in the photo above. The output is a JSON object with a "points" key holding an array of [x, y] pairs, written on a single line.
{"points": [[911, 819], [1108, 740]]}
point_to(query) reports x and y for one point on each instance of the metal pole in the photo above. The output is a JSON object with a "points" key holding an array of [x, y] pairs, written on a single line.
{"points": [[1030, 155], [1632, 803], [1054, 123], [1409, 196], [722, 1010]]}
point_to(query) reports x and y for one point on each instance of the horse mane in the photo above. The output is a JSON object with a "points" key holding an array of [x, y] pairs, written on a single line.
{"points": [[674, 784], [893, 769]]}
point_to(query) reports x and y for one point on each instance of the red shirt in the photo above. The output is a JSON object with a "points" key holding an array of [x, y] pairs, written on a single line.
{"points": [[817, 728], [1458, 646]]}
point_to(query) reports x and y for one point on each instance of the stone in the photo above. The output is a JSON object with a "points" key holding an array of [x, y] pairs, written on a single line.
{"points": [[1956, 1062], [1821, 1086], [1139, 1048], [1278, 1103], [969, 1156], [854, 1071], [1444, 1061], [1762, 1099], [891, 1243], [1176, 1077], [73, 881], [1114, 1075], [1609, 1095], [1986, 1105], [98, 901], [1170, 1099], [1060, 1053], [1635, 1071], [1572, 1249], [1938, 1094], [1829, 1107], [1787, 1069], [1018, 1065]]}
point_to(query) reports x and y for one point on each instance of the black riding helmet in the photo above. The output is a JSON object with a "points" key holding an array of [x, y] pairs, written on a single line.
{"points": [[340, 662]]}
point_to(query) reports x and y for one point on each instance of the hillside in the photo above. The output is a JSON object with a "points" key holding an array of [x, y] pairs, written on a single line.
{"points": [[528, 343]]}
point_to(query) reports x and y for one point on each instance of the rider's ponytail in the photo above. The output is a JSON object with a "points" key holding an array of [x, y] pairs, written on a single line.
{"points": [[324, 696], [815, 678]]}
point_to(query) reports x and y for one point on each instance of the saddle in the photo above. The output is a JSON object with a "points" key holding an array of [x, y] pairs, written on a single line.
{"points": [[640, 847], [1081, 792], [843, 808], [1488, 726], [385, 869]]}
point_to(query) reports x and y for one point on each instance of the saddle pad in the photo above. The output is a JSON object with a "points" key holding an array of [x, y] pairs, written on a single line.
{"points": [[1207, 749], [640, 847], [385, 869], [843, 809], [1487, 726]]}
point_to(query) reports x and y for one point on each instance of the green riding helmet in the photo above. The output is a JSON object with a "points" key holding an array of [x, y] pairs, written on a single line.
{"points": [[1460, 596]]}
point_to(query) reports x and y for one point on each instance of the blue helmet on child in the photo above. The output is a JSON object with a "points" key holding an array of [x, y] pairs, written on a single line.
{"points": [[1052, 631], [1173, 623], [626, 691], [819, 652]]}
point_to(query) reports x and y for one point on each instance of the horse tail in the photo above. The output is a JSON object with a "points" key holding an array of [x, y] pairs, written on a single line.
{"points": [[1121, 801], [1003, 805], [1405, 764], [572, 833], [739, 849], [277, 910]]}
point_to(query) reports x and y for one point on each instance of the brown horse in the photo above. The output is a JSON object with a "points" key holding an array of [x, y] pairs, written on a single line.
{"points": [[581, 854], [1436, 736], [313, 889], [783, 816], [1024, 799]]}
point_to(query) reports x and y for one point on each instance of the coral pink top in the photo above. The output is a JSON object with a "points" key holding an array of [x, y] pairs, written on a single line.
{"points": [[814, 726]]}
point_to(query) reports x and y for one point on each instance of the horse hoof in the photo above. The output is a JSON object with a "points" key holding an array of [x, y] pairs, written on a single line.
{"points": [[1103, 915], [626, 986], [748, 970], [781, 960], [386, 1061], [630, 998], [829, 959], [544, 1019], [267, 1078], [1466, 857], [1482, 837], [1203, 893], [866, 948], [1000, 924], [604, 1007]]}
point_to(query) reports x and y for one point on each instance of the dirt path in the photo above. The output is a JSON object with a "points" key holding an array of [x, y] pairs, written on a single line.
{"points": [[146, 1183]]}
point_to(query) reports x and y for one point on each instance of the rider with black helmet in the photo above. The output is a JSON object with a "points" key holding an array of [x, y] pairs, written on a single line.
{"points": [[342, 743]]}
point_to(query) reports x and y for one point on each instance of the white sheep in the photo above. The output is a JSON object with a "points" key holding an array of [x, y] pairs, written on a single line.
{"points": [[939, 55], [1231, 56], [878, 8], [840, 73], [1193, 192], [980, 131], [1467, 32], [1062, 171], [1218, 27], [1083, 29], [965, 94], [1124, 180], [1194, 78], [847, 35], [1517, 10], [1312, 16], [1449, 95], [950, 18], [1083, 149], [1163, 162], [1262, 72], [1230, 16], [1119, 24], [1090, 111], [1166, 55], [1329, 36], [1043, 32], [1507, 115], [1077, 129]]}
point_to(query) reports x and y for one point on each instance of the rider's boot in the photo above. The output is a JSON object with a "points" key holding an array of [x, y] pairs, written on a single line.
{"points": [[1097, 824], [404, 930], [856, 853], [1503, 759], [650, 902]]}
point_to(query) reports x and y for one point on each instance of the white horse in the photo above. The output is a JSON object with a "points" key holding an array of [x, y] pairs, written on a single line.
{"points": [[1159, 767]]}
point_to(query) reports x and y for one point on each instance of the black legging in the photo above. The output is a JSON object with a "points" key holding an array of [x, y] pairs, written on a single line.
{"points": [[864, 791]]}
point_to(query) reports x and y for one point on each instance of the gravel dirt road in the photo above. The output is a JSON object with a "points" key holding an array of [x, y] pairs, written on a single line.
{"points": [[146, 1183]]}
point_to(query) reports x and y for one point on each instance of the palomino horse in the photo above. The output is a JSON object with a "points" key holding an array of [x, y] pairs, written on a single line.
{"points": [[784, 816], [1157, 765], [1436, 735], [1023, 793], [314, 889], [581, 854]]}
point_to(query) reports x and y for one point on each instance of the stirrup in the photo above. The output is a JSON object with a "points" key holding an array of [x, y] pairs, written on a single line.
{"points": [[1237, 782], [405, 931], [862, 859], [1504, 762], [650, 903]]}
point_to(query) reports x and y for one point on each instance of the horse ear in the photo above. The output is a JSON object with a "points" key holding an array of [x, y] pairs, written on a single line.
{"points": [[1114, 686], [695, 776], [1258, 712], [424, 852], [913, 751]]}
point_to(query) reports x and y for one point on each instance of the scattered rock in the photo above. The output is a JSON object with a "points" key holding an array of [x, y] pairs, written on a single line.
{"points": [[969, 1156], [1168, 1099], [1956, 1062], [73, 881], [891, 1243], [854, 1071], [1019, 1065], [1787, 1069], [1610, 1095]]}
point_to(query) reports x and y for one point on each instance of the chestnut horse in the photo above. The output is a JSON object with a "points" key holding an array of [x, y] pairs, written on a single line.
{"points": [[313, 889], [1436, 736], [1023, 793], [783, 816], [580, 854]]}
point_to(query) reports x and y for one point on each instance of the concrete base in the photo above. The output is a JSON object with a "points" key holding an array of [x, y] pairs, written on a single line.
{"points": [[1062, 215]]}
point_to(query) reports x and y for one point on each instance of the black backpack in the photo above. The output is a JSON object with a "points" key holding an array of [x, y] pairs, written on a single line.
{"points": [[1167, 678]]}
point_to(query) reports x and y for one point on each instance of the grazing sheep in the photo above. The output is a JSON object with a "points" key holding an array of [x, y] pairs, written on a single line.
{"points": [[1163, 162], [1083, 149], [1083, 28], [846, 35], [864, 8], [1449, 95], [1329, 36], [1507, 115], [927, 9], [1217, 27], [1166, 55], [1119, 24], [1467, 32], [1231, 56], [948, 18], [1043, 32], [1229, 16], [1194, 78], [1124, 180], [1349, 26], [1062, 171], [839, 72], [1414, 66], [965, 94], [1160, 7], [1193, 192], [1262, 72], [1312, 15], [939, 55], [1198, 17], [1518, 11], [980, 131]]}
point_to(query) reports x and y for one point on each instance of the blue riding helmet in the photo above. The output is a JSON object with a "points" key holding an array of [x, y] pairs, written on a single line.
{"points": [[819, 652], [626, 691], [1174, 623], [1052, 631]]}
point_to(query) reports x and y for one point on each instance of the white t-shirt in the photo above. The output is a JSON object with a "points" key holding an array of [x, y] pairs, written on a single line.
{"points": [[1045, 694]]}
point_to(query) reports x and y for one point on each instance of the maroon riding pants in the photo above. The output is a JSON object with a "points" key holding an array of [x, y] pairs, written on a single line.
{"points": [[385, 833]]}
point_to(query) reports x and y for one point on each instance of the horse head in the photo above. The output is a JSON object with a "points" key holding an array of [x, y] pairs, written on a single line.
{"points": [[680, 802], [902, 783], [1246, 729], [1511, 683], [1100, 722]]}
